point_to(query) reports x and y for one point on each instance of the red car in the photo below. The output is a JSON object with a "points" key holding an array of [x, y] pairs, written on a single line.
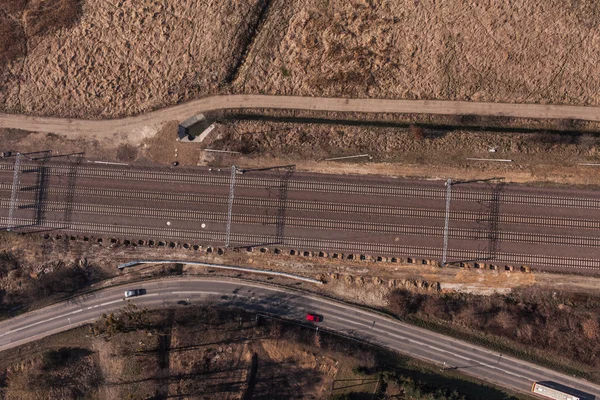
{"points": [[314, 317]]}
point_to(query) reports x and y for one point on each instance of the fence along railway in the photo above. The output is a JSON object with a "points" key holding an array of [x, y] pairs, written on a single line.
{"points": [[75, 195]]}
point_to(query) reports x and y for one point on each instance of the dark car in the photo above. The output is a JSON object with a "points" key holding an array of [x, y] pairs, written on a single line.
{"points": [[135, 292], [314, 317]]}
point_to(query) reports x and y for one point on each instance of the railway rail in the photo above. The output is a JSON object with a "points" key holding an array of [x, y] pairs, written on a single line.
{"points": [[329, 207], [252, 240], [136, 174], [321, 224]]}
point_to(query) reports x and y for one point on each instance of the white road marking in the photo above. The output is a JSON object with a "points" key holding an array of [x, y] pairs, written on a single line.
{"points": [[437, 349], [111, 302], [195, 292], [40, 322]]}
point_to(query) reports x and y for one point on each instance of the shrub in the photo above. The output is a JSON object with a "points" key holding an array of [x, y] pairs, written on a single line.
{"points": [[12, 39], [45, 16], [416, 132]]}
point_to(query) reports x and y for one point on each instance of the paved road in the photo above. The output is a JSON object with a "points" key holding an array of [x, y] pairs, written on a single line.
{"points": [[340, 317], [491, 225], [98, 128]]}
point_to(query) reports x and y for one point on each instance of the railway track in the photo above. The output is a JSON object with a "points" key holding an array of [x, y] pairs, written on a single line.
{"points": [[136, 174], [322, 224], [245, 240], [325, 207]]}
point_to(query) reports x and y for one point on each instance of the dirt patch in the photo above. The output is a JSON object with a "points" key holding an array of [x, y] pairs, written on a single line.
{"points": [[163, 148], [127, 152], [537, 155]]}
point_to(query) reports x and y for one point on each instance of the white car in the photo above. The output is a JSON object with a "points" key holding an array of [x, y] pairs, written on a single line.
{"points": [[135, 292]]}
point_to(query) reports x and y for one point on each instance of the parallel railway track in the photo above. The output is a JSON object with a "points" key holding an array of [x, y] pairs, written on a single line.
{"points": [[141, 205], [322, 224], [216, 238], [326, 207], [136, 174]]}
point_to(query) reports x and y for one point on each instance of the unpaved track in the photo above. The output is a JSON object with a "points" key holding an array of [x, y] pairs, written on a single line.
{"points": [[155, 119]]}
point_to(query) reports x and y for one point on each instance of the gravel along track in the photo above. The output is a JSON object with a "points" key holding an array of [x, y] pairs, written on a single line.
{"points": [[493, 223]]}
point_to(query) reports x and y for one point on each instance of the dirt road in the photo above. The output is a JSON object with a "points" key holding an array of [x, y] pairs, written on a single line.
{"points": [[140, 127]]}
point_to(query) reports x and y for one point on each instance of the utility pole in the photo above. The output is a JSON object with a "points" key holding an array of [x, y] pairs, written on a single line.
{"points": [[448, 195], [230, 205], [13, 196]]}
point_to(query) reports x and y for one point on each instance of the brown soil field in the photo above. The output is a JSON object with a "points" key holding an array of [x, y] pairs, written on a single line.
{"points": [[94, 59]]}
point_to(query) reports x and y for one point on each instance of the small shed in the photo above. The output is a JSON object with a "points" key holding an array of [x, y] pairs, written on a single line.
{"points": [[192, 127]]}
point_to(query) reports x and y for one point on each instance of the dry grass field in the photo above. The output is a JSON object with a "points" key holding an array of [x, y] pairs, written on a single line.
{"points": [[519, 51], [121, 59], [98, 59]]}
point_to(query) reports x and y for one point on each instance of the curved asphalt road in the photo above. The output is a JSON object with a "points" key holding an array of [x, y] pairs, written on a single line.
{"points": [[129, 125], [406, 339]]}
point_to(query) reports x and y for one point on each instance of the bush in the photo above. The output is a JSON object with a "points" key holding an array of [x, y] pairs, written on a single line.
{"points": [[530, 318], [587, 141], [62, 357], [46, 16], [13, 6], [416, 132], [12, 39]]}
